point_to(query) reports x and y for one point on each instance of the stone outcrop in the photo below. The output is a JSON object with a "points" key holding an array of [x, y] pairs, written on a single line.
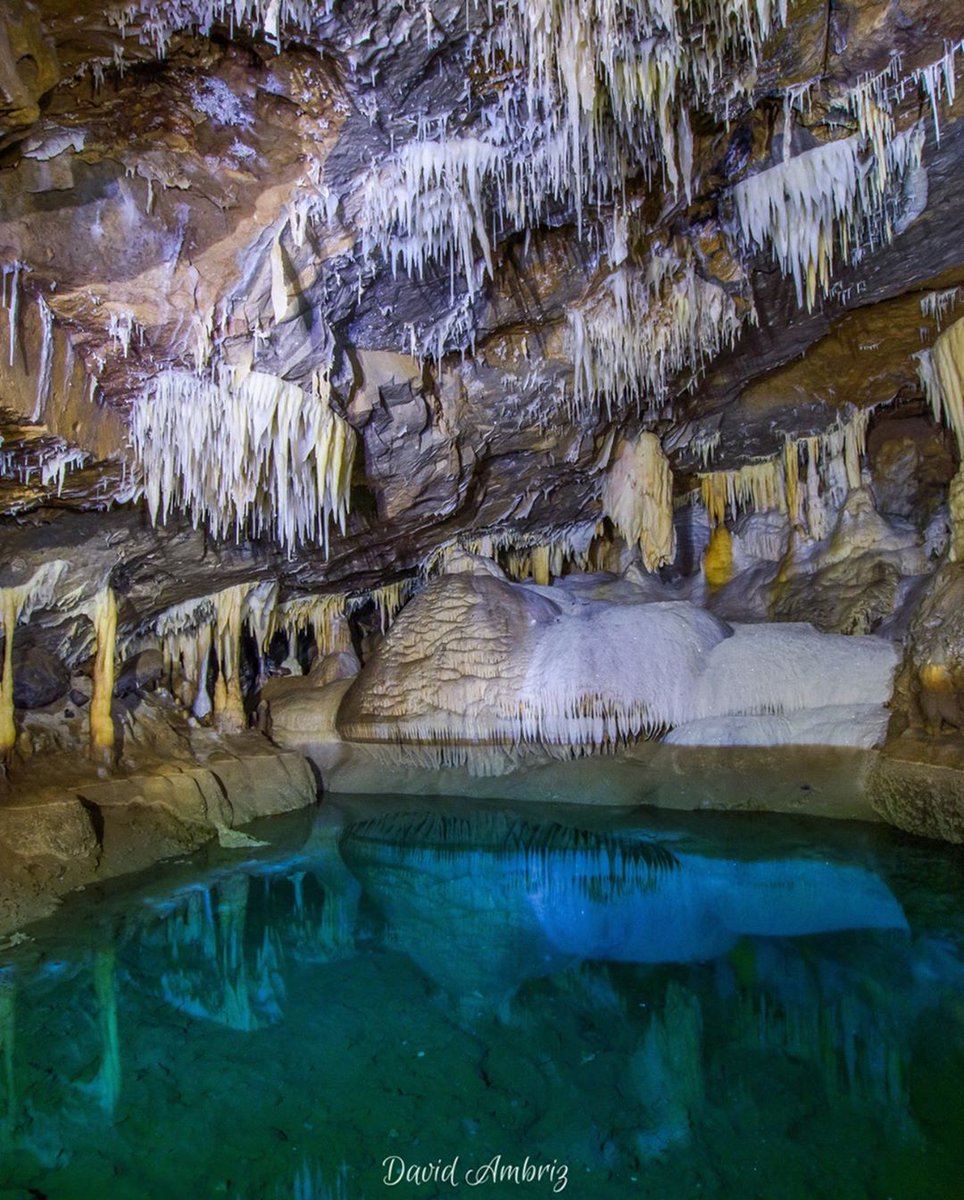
{"points": [[60, 838]]}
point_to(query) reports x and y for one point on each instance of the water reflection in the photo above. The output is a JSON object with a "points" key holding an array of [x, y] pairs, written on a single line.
{"points": [[649, 1002], [520, 896]]}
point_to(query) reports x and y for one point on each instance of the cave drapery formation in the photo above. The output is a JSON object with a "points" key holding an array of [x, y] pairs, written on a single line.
{"points": [[310, 305]]}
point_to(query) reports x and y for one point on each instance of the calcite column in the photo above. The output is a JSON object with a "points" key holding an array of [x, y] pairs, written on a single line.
{"points": [[229, 714], [104, 616], [8, 616]]}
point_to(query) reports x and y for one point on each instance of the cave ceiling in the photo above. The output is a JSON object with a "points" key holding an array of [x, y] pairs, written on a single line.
{"points": [[369, 204]]}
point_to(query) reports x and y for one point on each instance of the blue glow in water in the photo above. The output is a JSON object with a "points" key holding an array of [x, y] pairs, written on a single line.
{"points": [[419, 1001]]}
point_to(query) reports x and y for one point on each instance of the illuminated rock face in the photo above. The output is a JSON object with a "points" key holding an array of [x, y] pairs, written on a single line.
{"points": [[474, 660], [303, 305]]}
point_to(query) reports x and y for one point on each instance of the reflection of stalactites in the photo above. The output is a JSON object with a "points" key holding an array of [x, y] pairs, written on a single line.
{"points": [[667, 1073], [559, 859], [8, 1095], [321, 931], [107, 1084], [335, 925], [297, 882], [854, 1044], [267, 978], [553, 859], [309, 1183], [192, 924], [232, 913], [221, 972]]}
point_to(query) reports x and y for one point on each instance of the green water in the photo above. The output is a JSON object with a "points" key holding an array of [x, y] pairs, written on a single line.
{"points": [[639, 1004]]}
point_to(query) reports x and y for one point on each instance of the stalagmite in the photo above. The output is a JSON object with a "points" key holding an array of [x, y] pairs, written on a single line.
{"points": [[16, 604], [104, 616], [637, 496]]}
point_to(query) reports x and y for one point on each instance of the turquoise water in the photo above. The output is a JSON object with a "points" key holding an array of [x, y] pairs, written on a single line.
{"points": [[495, 1002]]}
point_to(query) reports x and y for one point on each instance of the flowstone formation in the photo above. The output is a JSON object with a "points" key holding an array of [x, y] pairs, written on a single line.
{"points": [[583, 375]]}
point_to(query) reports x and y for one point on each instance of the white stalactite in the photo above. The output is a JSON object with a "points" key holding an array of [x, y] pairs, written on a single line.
{"points": [[637, 496], [46, 360], [261, 454], [643, 326], [821, 204], [941, 371]]}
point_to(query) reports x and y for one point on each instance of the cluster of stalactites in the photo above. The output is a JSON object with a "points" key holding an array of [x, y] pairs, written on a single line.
{"points": [[607, 77], [873, 98], [811, 476], [592, 91], [539, 555], [842, 199], [645, 325], [42, 459], [832, 202], [941, 371], [388, 600], [323, 614], [156, 21], [193, 633], [190, 632], [245, 453], [936, 305], [637, 496]]}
